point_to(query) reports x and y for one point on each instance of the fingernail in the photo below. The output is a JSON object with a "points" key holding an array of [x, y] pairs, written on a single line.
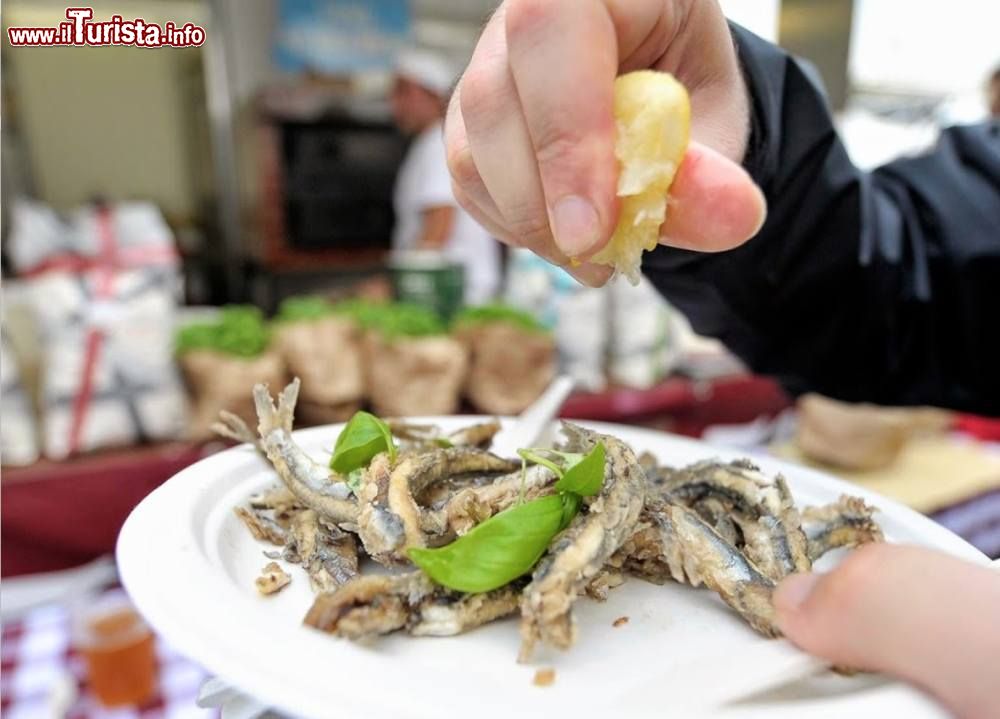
{"points": [[762, 203], [792, 593], [590, 275], [576, 226]]}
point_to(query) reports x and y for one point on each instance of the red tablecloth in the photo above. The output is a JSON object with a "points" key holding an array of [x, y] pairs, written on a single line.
{"points": [[55, 515], [682, 405]]}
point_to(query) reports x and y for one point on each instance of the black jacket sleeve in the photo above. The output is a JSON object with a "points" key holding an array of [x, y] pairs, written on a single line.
{"points": [[881, 286]]}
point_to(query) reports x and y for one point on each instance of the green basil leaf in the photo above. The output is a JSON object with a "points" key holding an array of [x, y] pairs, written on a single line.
{"points": [[501, 549], [390, 445], [586, 476], [443, 442], [571, 506], [524, 479], [533, 456], [558, 462], [363, 437], [353, 480], [566, 459]]}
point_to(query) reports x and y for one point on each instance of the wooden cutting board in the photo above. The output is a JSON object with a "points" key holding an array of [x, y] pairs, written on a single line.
{"points": [[930, 473]]}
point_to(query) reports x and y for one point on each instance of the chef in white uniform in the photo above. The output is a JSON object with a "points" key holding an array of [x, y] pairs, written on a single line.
{"points": [[427, 215]]}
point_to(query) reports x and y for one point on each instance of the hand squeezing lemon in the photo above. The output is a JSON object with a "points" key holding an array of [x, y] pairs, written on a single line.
{"points": [[652, 127]]}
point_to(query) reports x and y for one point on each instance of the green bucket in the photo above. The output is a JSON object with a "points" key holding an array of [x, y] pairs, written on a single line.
{"points": [[429, 279]]}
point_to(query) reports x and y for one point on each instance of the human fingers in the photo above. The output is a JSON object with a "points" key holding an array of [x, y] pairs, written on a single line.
{"points": [[586, 273], [563, 60], [467, 184], [500, 146], [916, 614], [714, 205]]}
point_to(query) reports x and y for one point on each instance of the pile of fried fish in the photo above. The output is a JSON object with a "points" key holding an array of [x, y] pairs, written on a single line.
{"points": [[725, 525]]}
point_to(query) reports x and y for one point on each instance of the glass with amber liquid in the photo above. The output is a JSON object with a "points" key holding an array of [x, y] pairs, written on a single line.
{"points": [[117, 649]]}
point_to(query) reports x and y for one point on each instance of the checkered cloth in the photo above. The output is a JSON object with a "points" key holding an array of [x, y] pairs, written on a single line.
{"points": [[35, 653]]}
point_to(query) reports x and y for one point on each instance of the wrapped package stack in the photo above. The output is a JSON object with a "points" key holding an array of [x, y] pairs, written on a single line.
{"points": [[102, 286], [18, 442]]}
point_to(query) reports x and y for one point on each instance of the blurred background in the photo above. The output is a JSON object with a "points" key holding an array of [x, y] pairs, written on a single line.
{"points": [[180, 223]]}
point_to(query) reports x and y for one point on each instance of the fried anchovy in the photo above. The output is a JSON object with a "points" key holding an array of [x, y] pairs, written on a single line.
{"points": [[678, 544], [278, 498], [606, 580], [262, 527], [312, 483], [761, 507], [380, 531], [418, 438], [776, 543], [328, 554], [411, 431], [579, 553], [272, 579], [390, 520], [648, 463], [233, 427], [278, 503], [474, 505], [714, 512], [438, 494], [445, 615], [370, 606], [739, 485], [845, 523], [477, 435], [660, 480], [413, 474]]}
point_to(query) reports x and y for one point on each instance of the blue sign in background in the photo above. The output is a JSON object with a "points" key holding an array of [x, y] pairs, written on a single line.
{"points": [[339, 36]]}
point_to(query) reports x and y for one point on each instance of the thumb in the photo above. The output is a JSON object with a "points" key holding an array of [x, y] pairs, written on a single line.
{"points": [[919, 615]]}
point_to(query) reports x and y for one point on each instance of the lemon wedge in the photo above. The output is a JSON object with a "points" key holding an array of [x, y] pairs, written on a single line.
{"points": [[652, 127]]}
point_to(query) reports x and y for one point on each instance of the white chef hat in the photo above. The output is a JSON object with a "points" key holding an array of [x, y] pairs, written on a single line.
{"points": [[427, 68]]}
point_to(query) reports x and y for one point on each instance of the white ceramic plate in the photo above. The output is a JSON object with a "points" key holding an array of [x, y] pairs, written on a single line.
{"points": [[189, 564]]}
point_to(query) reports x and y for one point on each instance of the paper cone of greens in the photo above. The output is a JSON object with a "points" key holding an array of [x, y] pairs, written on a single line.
{"points": [[414, 366], [222, 361], [513, 358], [321, 343]]}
